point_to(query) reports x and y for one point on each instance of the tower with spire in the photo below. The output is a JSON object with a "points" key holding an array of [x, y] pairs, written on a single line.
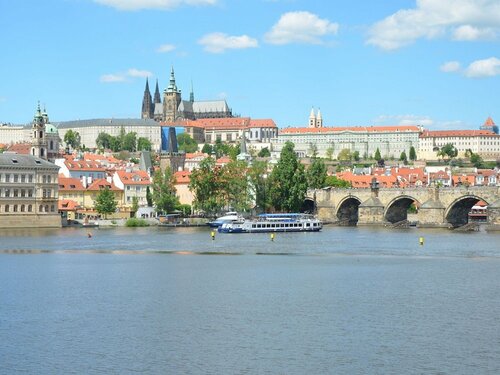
{"points": [[147, 103], [171, 99], [315, 120], [38, 141], [489, 124]]}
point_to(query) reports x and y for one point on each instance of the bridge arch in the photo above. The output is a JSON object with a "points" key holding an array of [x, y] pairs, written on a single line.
{"points": [[457, 212], [347, 210], [309, 205], [397, 209]]}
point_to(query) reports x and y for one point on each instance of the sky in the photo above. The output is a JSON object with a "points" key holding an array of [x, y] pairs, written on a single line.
{"points": [[434, 63]]}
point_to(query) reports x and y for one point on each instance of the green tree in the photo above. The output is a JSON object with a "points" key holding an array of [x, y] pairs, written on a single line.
{"points": [[403, 158], [135, 205], [149, 197], [207, 149], [72, 139], [259, 184], [476, 160], [129, 142], [105, 202], [344, 155], [186, 143], [144, 144], [205, 185], [264, 153], [288, 181], [103, 140], [413, 154], [313, 150], [329, 153], [337, 182], [377, 156], [316, 174], [163, 186], [355, 155], [448, 151], [234, 186]]}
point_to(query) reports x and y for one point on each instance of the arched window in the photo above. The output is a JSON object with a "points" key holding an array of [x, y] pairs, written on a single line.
{"points": [[30, 208], [42, 152], [7, 208], [22, 208], [40, 208], [46, 208], [51, 144], [41, 133], [15, 208], [49, 178], [53, 208], [44, 179]]}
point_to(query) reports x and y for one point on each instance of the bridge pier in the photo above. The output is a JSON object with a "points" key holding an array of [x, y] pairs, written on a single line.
{"points": [[431, 212], [371, 211], [326, 214], [494, 215]]}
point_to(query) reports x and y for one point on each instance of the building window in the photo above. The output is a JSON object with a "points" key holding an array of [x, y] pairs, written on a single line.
{"points": [[30, 178], [52, 208], [7, 193], [30, 208], [22, 208], [7, 208], [15, 208], [40, 208], [23, 178], [46, 208], [16, 178]]}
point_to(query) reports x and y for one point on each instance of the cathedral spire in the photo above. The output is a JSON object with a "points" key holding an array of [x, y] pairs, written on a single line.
{"points": [[157, 98], [191, 94], [147, 103]]}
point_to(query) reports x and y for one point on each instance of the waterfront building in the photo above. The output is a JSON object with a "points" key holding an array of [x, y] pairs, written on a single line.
{"points": [[391, 141], [85, 170], [134, 185], [28, 192], [174, 108], [483, 142]]}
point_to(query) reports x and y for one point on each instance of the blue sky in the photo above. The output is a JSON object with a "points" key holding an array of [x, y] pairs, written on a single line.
{"points": [[362, 62]]}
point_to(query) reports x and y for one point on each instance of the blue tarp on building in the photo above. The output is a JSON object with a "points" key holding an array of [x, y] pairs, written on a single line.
{"points": [[169, 138]]}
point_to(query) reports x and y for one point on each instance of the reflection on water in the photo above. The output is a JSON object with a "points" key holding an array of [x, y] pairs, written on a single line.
{"points": [[171, 301]]}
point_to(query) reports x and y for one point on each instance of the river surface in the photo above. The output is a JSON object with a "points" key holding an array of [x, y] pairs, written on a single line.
{"points": [[174, 301]]}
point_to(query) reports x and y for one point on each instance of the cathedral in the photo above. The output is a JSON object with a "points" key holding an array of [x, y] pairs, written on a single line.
{"points": [[173, 108]]}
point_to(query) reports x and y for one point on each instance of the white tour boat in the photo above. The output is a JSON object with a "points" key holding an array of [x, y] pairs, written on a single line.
{"points": [[295, 222]]}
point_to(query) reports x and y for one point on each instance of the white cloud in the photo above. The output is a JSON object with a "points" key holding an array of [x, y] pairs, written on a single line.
{"points": [[404, 120], [470, 33], [123, 77], [300, 27], [152, 4], [483, 68], [138, 73], [465, 19], [112, 78], [164, 48], [450, 66], [219, 42]]}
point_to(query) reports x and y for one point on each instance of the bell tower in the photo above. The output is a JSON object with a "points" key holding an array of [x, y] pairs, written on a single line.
{"points": [[38, 141], [171, 99]]}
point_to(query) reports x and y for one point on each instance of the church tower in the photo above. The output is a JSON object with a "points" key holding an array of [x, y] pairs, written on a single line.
{"points": [[319, 119], [38, 141], [147, 103], [171, 99], [312, 119]]}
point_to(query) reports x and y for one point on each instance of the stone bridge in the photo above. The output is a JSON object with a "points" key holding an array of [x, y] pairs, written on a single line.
{"points": [[436, 207]]}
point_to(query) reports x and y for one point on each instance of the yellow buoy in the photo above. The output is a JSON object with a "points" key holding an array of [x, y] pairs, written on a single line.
{"points": [[212, 233], [421, 241], [272, 236]]}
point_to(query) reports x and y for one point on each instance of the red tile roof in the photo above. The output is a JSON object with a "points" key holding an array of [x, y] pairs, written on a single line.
{"points": [[101, 183], [489, 122], [134, 178], [20, 148], [224, 123], [369, 129], [457, 133], [67, 205], [182, 177], [70, 184]]}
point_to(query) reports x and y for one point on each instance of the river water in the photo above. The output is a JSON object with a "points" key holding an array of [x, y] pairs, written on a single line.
{"points": [[173, 301]]}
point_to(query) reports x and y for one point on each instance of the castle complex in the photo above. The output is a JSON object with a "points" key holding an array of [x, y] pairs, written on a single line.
{"points": [[174, 108]]}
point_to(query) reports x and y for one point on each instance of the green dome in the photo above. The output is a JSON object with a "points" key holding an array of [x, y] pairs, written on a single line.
{"points": [[50, 129]]}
